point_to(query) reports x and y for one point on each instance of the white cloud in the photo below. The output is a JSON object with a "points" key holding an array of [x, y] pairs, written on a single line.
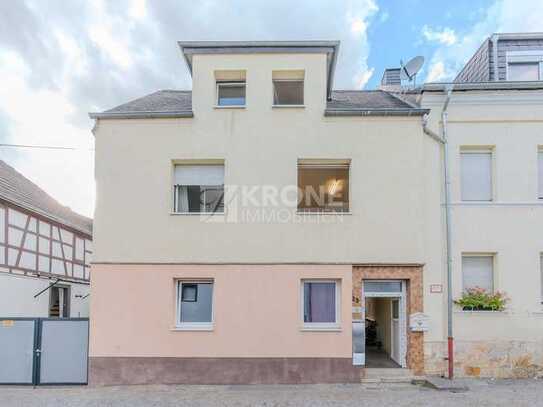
{"points": [[500, 16], [436, 72], [363, 77], [41, 117], [445, 36], [358, 19]]}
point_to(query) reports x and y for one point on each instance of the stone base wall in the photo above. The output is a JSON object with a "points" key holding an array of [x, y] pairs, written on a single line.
{"points": [[163, 370], [497, 359]]}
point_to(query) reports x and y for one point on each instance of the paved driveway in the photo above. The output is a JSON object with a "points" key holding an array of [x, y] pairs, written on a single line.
{"points": [[481, 393]]}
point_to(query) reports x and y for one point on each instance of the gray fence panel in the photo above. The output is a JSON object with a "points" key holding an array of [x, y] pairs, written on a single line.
{"points": [[16, 351], [64, 351]]}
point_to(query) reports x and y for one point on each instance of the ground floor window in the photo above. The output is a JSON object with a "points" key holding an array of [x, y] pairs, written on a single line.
{"points": [[320, 303], [478, 272], [194, 304]]}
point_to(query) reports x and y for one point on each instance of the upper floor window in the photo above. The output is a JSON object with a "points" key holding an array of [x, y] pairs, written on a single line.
{"points": [[323, 185], [230, 93], [231, 87], [199, 188], [288, 88], [476, 174], [525, 71], [525, 65]]}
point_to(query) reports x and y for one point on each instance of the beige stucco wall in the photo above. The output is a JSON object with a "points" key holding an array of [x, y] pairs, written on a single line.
{"points": [[510, 226], [260, 146], [256, 312]]}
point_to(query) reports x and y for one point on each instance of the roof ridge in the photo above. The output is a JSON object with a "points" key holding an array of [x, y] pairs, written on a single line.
{"points": [[19, 193]]}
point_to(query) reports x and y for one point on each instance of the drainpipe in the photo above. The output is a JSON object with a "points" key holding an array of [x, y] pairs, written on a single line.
{"points": [[444, 142], [495, 39]]}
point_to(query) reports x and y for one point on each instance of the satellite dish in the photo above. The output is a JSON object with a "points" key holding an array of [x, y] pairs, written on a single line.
{"points": [[411, 68]]}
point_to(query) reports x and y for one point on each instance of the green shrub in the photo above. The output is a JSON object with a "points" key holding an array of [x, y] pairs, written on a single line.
{"points": [[478, 299]]}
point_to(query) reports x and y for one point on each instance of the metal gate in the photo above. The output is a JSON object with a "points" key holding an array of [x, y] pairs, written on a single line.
{"points": [[44, 350]]}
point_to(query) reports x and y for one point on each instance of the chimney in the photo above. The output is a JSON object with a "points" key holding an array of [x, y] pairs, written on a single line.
{"points": [[391, 80]]}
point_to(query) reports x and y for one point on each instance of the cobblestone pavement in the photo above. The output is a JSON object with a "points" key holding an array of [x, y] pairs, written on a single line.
{"points": [[518, 393]]}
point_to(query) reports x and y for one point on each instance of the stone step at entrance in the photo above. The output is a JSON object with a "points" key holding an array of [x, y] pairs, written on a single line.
{"points": [[390, 376]]}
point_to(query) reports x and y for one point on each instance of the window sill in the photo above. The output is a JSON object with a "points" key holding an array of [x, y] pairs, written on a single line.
{"points": [[229, 107], [197, 213], [288, 106], [193, 327], [323, 213], [467, 312], [321, 328]]}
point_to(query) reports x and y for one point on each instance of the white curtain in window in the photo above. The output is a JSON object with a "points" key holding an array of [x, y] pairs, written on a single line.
{"points": [[477, 271], [199, 175], [476, 176], [182, 199]]}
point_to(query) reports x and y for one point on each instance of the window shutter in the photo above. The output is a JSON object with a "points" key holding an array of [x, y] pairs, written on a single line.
{"points": [[476, 176], [199, 175], [477, 271]]}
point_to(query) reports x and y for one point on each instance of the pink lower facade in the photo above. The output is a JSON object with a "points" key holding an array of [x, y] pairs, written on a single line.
{"points": [[257, 334]]}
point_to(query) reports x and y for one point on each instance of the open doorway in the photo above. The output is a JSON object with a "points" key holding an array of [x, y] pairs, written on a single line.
{"points": [[385, 327]]}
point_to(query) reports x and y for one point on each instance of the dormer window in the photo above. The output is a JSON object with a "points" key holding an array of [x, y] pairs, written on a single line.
{"points": [[231, 88], [525, 65], [288, 88]]}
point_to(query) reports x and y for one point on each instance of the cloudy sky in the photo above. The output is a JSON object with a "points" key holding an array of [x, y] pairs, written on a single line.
{"points": [[60, 59]]}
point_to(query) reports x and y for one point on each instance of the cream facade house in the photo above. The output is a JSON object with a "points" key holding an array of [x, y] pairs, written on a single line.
{"points": [[265, 228]]}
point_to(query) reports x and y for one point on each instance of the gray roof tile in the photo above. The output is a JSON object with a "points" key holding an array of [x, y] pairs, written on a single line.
{"points": [[18, 190], [160, 101], [164, 102], [364, 99]]}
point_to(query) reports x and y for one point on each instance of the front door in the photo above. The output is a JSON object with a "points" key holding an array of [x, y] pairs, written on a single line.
{"points": [[395, 331]]}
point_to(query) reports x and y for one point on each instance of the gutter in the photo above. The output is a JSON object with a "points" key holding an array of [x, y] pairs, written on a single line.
{"points": [[467, 86], [375, 112], [143, 115]]}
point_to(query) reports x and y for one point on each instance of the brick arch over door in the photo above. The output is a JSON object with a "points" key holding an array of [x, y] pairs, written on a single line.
{"points": [[412, 273]]}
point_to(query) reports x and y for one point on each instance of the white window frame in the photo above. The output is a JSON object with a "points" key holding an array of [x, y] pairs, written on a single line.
{"points": [[480, 150], [523, 57], [219, 84], [288, 80], [174, 210], [321, 326], [492, 256], [325, 163], [193, 326]]}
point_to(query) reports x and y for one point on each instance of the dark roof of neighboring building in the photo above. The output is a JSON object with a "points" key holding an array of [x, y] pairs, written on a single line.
{"points": [[20, 191], [178, 103]]}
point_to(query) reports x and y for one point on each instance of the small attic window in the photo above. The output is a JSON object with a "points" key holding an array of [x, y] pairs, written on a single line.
{"points": [[230, 88], [288, 88]]}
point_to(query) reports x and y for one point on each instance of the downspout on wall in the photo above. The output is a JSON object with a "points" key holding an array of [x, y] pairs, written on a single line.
{"points": [[444, 142], [495, 38]]}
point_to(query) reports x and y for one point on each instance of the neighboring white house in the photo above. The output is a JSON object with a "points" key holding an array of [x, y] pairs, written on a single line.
{"points": [[45, 252]]}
